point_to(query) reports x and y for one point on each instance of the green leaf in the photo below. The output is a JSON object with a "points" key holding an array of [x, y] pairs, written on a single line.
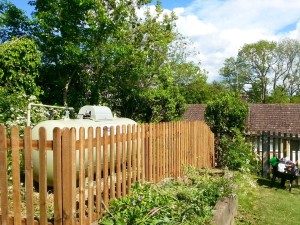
{"points": [[107, 222]]}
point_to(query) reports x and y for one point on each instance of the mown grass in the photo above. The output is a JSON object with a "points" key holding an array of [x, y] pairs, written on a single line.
{"points": [[262, 204]]}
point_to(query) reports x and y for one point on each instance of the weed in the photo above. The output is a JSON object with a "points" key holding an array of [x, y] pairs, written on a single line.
{"points": [[189, 200]]}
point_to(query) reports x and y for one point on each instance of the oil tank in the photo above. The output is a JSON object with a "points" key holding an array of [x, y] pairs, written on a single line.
{"points": [[88, 116]]}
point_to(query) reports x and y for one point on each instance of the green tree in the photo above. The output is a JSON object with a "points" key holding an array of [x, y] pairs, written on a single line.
{"points": [[138, 79], [61, 31], [13, 22], [226, 117], [259, 58], [227, 113], [102, 52], [19, 65], [286, 69], [216, 90], [192, 82], [266, 71], [279, 95], [20, 61], [234, 73]]}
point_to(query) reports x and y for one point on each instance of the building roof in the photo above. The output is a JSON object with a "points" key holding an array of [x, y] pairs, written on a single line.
{"points": [[194, 112], [284, 118]]}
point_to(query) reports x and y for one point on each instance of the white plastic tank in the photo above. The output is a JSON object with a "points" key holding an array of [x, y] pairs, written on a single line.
{"points": [[88, 116]]}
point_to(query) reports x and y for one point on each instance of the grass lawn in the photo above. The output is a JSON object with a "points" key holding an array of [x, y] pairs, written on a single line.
{"points": [[259, 203]]}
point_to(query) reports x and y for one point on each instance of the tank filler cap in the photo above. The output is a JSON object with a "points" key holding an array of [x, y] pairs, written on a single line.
{"points": [[95, 113]]}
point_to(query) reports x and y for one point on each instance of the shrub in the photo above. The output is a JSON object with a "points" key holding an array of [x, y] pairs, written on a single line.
{"points": [[236, 153], [226, 115]]}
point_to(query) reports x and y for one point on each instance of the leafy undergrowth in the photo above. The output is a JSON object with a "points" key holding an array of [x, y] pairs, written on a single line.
{"points": [[263, 204], [189, 200], [35, 201]]}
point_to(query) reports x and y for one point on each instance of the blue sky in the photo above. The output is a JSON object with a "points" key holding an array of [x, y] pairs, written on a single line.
{"points": [[219, 28], [171, 4], [22, 4]]}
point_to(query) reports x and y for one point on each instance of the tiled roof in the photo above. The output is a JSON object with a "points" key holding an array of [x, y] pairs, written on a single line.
{"points": [[194, 112], [284, 118]]}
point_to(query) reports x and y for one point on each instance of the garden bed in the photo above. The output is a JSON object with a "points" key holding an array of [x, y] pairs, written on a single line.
{"points": [[199, 197], [196, 198]]}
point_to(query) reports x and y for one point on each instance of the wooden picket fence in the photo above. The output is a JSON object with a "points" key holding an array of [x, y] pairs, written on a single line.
{"points": [[92, 167]]}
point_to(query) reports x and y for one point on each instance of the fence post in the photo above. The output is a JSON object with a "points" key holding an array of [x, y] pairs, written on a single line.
{"points": [[297, 149], [265, 154], [279, 145], [68, 175], [58, 212], [15, 147], [3, 176], [28, 175], [42, 175]]}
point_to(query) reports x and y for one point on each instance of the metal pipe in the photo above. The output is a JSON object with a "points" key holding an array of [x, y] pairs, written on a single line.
{"points": [[30, 105]]}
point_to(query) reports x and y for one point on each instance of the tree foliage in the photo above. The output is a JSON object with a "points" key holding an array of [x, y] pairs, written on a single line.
{"points": [[267, 71], [19, 66], [13, 22], [20, 61], [107, 52], [226, 113], [226, 117], [236, 153], [192, 82]]}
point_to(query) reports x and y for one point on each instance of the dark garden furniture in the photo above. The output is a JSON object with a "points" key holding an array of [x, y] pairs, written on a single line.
{"points": [[286, 171]]}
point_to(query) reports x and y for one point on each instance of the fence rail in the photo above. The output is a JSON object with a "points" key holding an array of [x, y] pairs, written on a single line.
{"points": [[90, 170]]}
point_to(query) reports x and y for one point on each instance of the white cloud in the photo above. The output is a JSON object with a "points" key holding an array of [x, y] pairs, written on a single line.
{"points": [[219, 28], [191, 26], [295, 34]]}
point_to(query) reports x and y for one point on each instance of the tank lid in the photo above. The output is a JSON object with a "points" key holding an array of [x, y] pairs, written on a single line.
{"points": [[95, 113]]}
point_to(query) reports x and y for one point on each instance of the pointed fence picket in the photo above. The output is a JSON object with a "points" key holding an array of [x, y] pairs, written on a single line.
{"points": [[88, 171]]}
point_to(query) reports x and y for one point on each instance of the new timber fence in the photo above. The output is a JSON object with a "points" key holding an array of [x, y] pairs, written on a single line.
{"points": [[92, 167]]}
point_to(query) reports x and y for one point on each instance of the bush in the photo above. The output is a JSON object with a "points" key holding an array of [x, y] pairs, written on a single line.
{"points": [[236, 153], [226, 114]]}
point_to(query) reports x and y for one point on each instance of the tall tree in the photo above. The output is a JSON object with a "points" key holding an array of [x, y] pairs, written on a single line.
{"points": [[139, 78], [287, 67], [259, 58], [13, 22], [61, 33], [252, 70], [267, 71], [102, 52], [235, 74], [192, 82], [80, 41]]}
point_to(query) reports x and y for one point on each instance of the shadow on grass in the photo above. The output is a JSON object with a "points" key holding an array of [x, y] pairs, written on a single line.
{"points": [[267, 183]]}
